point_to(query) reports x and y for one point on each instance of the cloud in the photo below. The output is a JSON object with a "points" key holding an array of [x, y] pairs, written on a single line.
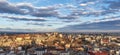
{"points": [[39, 24], [87, 3], [69, 6], [103, 25], [68, 17], [106, 18], [84, 1], [6, 7], [95, 13], [83, 4], [65, 13], [16, 30], [45, 14], [96, 8], [111, 17], [23, 18], [27, 9], [68, 20], [114, 4], [50, 11]]}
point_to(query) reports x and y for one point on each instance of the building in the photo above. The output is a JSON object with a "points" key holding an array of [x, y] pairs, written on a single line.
{"points": [[98, 53], [65, 53], [40, 51]]}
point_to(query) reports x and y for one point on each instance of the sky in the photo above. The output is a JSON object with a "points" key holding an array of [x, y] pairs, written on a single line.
{"points": [[60, 15]]}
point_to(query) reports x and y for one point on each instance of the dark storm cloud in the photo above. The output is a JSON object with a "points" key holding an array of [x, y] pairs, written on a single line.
{"points": [[22, 18], [106, 25]]}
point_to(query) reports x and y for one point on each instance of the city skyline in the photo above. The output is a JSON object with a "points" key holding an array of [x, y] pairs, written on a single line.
{"points": [[60, 15]]}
